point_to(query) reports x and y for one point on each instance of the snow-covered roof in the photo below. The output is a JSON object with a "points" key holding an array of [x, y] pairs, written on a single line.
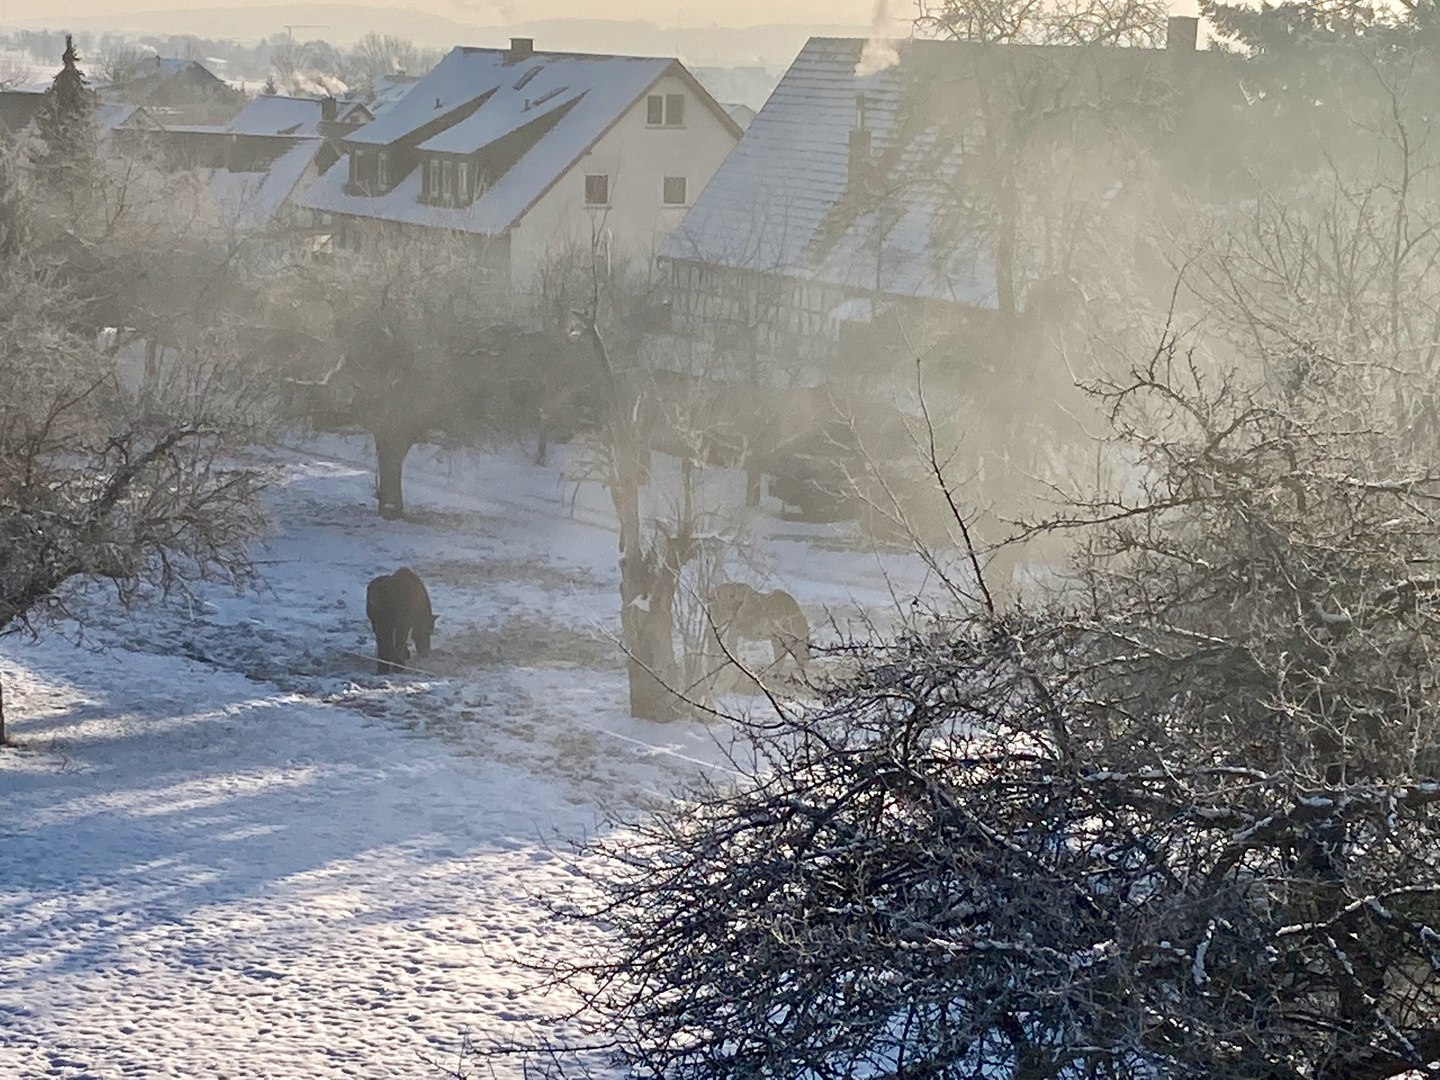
{"points": [[784, 201], [763, 206], [249, 199], [485, 99], [117, 114], [388, 89], [276, 114], [772, 204], [467, 74], [738, 111], [161, 68]]}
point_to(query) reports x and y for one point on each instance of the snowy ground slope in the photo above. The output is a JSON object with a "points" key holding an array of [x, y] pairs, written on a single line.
{"points": [[228, 848]]}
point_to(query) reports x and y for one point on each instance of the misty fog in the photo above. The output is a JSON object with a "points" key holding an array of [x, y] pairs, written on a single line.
{"points": [[904, 546]]}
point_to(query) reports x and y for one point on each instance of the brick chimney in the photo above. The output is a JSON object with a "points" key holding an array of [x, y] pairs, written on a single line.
{"points": [[328, 109], [859, 166], [521, 48], [1182, 33]]}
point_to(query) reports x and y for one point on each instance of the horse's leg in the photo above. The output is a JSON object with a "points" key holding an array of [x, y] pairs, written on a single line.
{"points": [[391, 653], [780, 647]]}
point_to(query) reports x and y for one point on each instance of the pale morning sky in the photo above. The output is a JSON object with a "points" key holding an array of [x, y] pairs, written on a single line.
{"points": [[480, 13], [663, 12]]}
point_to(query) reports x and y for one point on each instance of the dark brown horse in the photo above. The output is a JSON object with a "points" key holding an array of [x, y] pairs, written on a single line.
{"points": [[399, 608]]}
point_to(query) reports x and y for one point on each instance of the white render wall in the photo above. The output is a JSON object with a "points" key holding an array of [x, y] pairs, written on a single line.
{"points": [[636, 158]]}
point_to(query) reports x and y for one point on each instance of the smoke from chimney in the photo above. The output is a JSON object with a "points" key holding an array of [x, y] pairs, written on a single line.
{"points": [[879, 51]]}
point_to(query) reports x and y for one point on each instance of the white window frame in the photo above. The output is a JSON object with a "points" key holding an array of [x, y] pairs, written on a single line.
{"points": [[382, 169], [462, 182]]}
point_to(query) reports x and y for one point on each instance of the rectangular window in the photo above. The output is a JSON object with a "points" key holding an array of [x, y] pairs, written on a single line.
{"points": [[674, 110], [382, 170], [462, 182], [434, 179], [447, 182], [597, 190], [654, 110], [674, 193]]}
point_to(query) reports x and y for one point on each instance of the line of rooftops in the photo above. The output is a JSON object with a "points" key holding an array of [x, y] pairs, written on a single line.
{"points": [[477, 143], [488, 130]]}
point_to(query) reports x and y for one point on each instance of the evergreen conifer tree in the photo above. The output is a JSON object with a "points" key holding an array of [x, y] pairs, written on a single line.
{"points": [[67, 126]]}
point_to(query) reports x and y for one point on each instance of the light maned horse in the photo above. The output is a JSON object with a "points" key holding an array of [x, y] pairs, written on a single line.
{"points": [[739, 613]]}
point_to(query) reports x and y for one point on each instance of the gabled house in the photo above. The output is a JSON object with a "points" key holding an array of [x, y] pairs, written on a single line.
{"points": [[125, 129], [857, 202], [255, 166], [177, 91], [271, 150], [118, 126], [534, 154], [276, 114]]}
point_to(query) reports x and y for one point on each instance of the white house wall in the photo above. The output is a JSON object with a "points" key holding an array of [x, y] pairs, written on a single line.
{"points": [[636, 157]]}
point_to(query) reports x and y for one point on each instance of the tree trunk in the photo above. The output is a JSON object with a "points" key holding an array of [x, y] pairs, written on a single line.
{"points": [[150, 377], [390, 451], [752, 475], [647, 592], [4, 740]]}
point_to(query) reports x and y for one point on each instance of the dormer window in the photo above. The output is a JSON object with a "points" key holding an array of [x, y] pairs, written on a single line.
{"points": [[382, 170], [432, 180], [447, 182], [362, 174], [462, 183]]}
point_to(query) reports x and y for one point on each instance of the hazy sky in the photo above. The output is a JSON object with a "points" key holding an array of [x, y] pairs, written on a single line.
{"points": [[663, 12]]}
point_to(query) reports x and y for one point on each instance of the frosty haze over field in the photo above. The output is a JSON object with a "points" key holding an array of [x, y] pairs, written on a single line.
{"points": [[859, 541]]}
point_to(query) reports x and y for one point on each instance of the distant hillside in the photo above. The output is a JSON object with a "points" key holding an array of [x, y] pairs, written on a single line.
{"points": [[342, 23]]}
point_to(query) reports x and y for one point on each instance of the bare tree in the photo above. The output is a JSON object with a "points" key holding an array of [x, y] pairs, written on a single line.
{"points": [[1182, 829], [1176, 821], [1045, 22], [96, 483], [121, 63], [139, 481], [376, 56]]}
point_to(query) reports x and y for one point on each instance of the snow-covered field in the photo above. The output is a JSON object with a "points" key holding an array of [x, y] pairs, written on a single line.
{"points": [[228, 848]]}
